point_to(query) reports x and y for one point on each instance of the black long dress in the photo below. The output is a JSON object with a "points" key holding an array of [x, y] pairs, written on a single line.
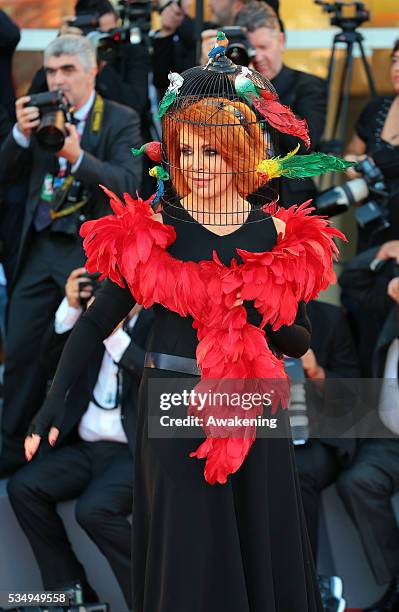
{"points": [[238, 547]]}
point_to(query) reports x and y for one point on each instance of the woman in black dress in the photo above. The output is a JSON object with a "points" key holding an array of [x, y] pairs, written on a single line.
{"points": [[376, 131], [241, 546]]}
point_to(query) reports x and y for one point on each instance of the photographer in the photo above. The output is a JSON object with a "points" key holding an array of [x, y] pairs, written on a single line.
{"points": [[94, 457], [306, 94], [377, 136], [174, 44], [367, 487], [9, 39], [320, 460], [63, 192], [124, 77]]}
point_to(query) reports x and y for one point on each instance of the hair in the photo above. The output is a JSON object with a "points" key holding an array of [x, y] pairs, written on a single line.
{"points": [[256, 15], [73, 44], [395, 47], [231, 127]]}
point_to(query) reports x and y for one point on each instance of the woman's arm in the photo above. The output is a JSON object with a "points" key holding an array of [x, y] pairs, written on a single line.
{"points": [[112, 304]]}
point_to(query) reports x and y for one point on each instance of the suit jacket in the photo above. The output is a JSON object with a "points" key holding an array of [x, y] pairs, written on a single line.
{"points": [[131, 363], [107, 160], [365, 297], [306, 94], [335, 351], [9, 39]]}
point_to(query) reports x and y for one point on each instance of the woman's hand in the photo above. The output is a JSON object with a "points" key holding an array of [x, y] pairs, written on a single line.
{"points": [[32, 442], [311, 366], [48, 419]]}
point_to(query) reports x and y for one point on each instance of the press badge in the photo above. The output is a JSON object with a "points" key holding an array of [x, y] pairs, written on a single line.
{"points": [[51, 184], [47, 188]]}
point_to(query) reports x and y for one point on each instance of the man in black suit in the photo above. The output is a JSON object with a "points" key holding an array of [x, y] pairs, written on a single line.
{"points": [[174, 44], [63, 192], [332, 355], [320, 459], [9, 39], [123, 77], [305, 93], [368, 486], [93, 460]]}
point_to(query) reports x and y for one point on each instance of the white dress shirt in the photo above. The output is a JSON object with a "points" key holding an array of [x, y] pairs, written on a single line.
{"points": [[81, 115], [97, 423]]}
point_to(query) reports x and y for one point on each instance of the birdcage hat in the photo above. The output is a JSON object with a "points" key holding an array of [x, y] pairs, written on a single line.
{"points": [[219, 153]]}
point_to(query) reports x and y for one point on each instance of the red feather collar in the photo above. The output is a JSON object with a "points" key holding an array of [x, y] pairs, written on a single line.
{"points": [[131, 245]]}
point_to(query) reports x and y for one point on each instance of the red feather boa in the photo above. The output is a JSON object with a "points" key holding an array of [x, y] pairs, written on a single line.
{"points": [[131, 245]]}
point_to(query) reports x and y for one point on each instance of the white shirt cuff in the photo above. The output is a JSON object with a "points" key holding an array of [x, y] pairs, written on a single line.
{"points": [[66, 317], [116, 344], [19, 137], [76, 165]]}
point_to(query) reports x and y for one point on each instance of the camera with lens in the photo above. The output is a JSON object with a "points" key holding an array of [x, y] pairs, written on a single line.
{"points": [[86, 22], [54, 113], [371, 187], [239, 50], [297, 408], [136, 16], [88, 282], [340, 17], [107, 43]]}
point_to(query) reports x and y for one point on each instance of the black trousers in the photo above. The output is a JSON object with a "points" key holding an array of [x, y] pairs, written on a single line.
{"points": [[100, 474], [318, 467], [366, 489], [34, 299]]}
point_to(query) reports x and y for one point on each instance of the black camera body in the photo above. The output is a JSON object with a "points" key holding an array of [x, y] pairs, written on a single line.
{"points": [[239, 50], [136, 15], [85, 22], [372, 211], [54, 113], [347, 24], [370, 187], [107, 44], [88, 281]]}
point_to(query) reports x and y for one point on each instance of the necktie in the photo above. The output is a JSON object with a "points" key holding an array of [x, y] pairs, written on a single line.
{"points": [[42, 217]]}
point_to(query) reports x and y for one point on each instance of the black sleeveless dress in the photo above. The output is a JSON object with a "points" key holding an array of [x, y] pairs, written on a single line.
{"points": [[238, 547]]}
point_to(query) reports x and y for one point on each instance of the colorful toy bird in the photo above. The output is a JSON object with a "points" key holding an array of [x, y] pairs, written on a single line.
{"points": [[301, 166], [218, 49], [278, 116], [152, 149], [175, 83], [161, 175]]}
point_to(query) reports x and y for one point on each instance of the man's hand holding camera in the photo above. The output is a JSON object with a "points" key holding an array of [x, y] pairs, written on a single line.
{"points": [[171, 18], [28, 117], [312, 368], [73, 291], [71, 150], [389, 250]]}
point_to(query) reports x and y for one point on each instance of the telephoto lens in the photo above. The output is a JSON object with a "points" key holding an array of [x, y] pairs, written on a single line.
{"points": [[239, 50], [299, 420], [51, 132]]}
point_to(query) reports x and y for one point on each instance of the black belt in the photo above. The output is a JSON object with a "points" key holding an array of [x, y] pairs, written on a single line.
{"points": [[174, 363]]}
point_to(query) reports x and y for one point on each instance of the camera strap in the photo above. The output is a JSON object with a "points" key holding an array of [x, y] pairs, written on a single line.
{"points": [[57, 211]]}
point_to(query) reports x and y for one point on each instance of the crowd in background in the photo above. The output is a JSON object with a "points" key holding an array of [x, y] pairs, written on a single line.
{"points": [[46, 287]]}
